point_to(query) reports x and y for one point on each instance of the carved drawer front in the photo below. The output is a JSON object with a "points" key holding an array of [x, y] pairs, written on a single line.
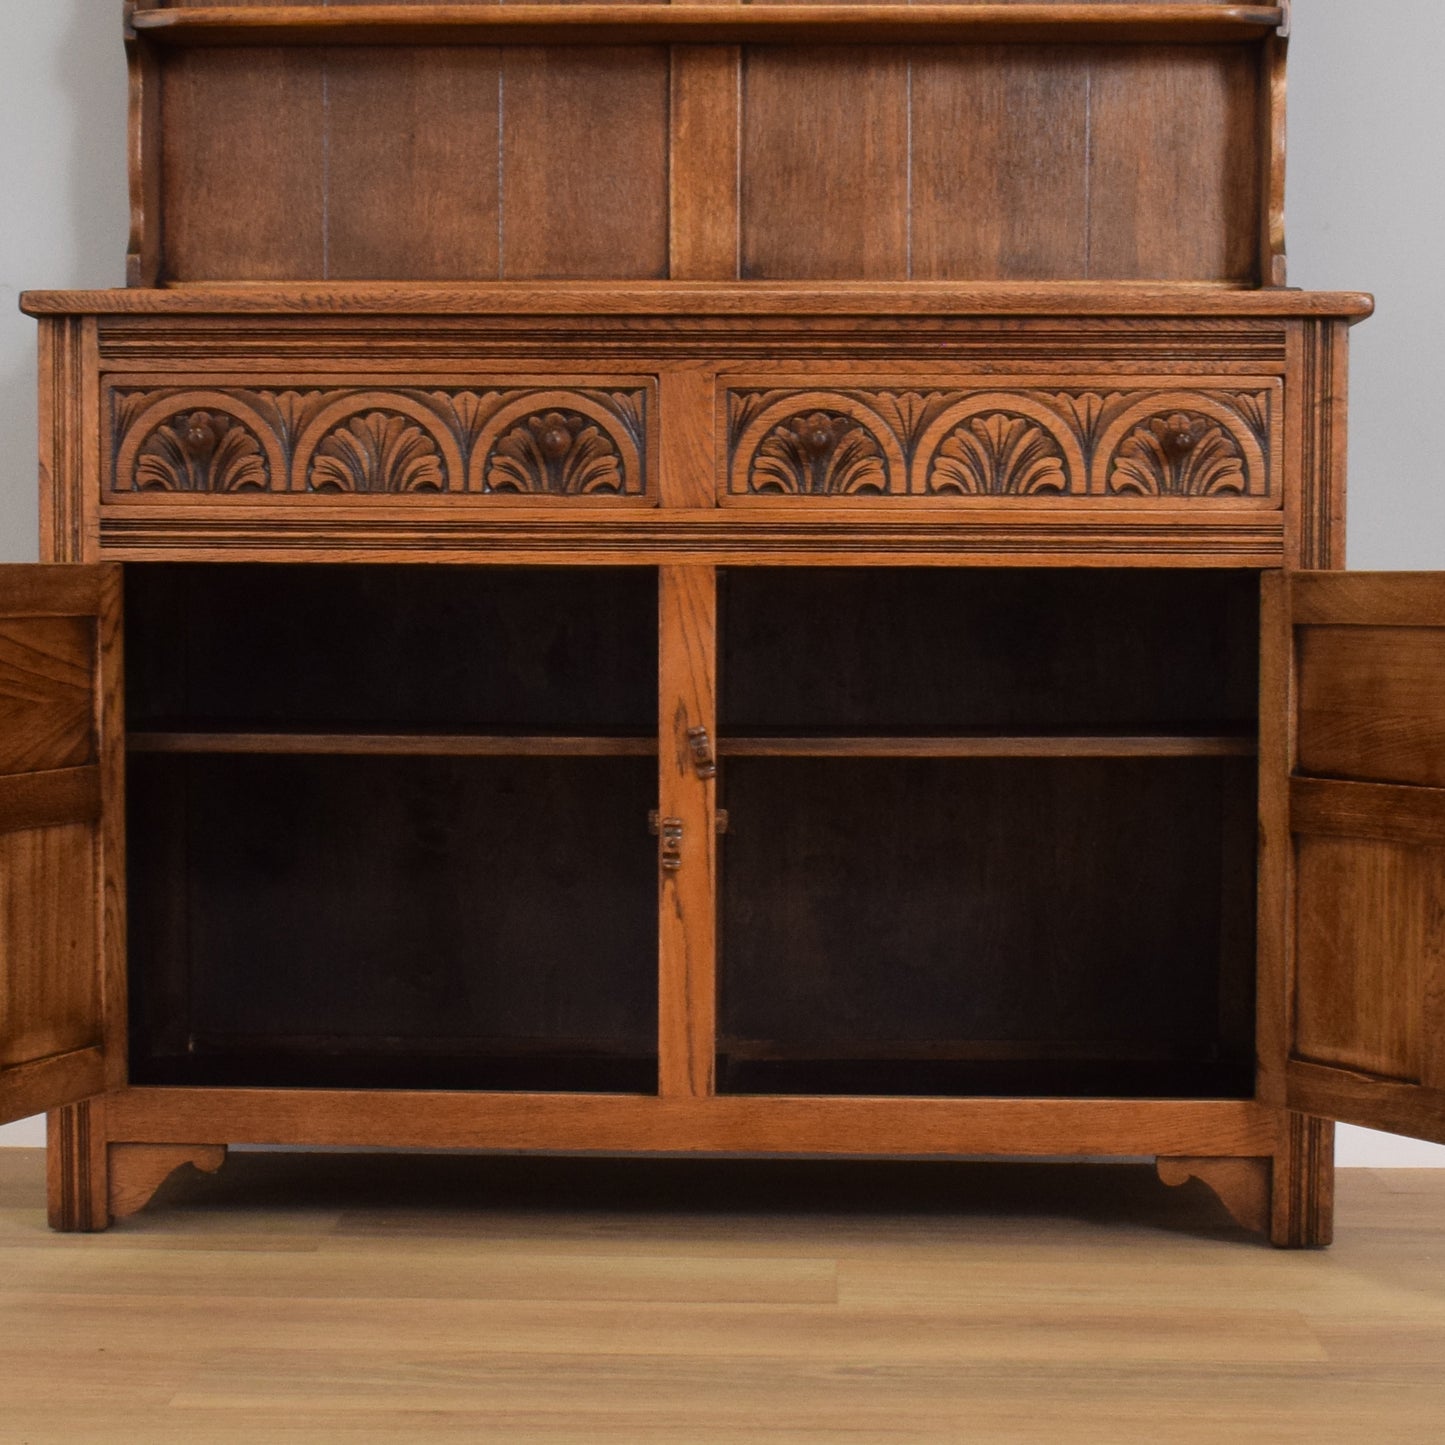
{"points": [[1214, 442], [520, 442]]}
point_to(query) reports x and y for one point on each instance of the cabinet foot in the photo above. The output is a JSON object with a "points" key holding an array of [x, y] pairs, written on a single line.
{"points": [[76, 1174], [138, 1170], [1302, 1213], [1241, 1185]]}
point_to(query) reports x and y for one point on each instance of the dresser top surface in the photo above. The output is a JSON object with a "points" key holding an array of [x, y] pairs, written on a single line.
{"points": [[693, 299]]}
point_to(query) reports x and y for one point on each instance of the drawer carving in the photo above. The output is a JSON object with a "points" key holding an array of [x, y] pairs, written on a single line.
{"points": [[521, 441], [1140, 443]]}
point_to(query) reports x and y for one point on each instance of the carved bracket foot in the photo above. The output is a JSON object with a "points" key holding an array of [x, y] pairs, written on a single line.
{"points": [[1241, 1185], [138, 1170]]}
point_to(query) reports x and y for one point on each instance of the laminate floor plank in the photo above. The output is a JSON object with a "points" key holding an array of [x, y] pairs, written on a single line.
{"points": [[366, 1299]]}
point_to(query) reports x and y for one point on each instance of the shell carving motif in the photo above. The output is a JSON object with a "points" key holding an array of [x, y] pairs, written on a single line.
{"points": [[1179, 455], [998, 455], [377, 453], [818, 454], [557, 453], [201, 451]]}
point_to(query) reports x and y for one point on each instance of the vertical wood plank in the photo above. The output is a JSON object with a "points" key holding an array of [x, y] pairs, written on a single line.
{"points": [[1323, 444], [584, 162], [143, 250], [825, 191], [412, 146], [244, 164], [110, 919], [1273, 91], [687, 975], [61, 429], [76, 1177], [1000, 159], [703, 163], [1302, 1211], [1169, 199], [87, 474], [1276, 711], [688, 399]]}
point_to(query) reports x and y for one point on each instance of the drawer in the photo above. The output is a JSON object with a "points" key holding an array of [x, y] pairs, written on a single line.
{"points": [[525, 441], [1134, 442]]}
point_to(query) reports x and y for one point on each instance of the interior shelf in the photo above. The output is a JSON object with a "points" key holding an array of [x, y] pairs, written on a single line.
{"points": [[405, 744], [692, 23], [482, 745], [1020, 745]]}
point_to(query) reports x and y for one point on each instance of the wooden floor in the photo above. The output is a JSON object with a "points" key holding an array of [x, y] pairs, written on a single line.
{"points": [[378, 1298]]}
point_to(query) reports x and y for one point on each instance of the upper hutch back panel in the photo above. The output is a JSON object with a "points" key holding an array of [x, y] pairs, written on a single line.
{"points": [[272, 146]]}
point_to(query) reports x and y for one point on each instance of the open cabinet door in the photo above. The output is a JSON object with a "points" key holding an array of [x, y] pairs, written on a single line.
{"points": [[61, 755], [1365, 948]]}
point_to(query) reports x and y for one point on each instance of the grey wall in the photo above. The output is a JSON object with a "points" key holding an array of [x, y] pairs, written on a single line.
{"points": [[1366, 211]]}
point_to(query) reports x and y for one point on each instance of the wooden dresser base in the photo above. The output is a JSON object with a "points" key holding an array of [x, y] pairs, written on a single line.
{"points": [[1289, 1194]]}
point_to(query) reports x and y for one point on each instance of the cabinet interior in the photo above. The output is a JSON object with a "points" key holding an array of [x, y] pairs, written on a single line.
{"points": [[992, 831], [388, 826], [988, 831]]}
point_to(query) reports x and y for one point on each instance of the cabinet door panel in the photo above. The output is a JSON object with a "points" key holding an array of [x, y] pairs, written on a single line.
{"points": [[1367, 819], [59, 740]]}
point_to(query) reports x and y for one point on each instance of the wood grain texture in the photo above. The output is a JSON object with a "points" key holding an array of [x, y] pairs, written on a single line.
{"points": [[136, 1171], [52, 992], [703, 163], [584, 163], [1392, 1105], [46, 693], [1317, 520], [50, 985], [1274, 987], [76, 1176], [48, 799], [1241, 1185], [1031, 537], [1140, 194], [1371, 963], [421, 744], [818, 298], [551, 1302], [411, 190], [65, 347], [841, 1126], [1372, 703], [1329, 807], [1000, 164], [820, 131], [144, 254], [1272, 112], [1302, 1184], [1042, 746], [533, 24], [243, 168], [687, 794]]}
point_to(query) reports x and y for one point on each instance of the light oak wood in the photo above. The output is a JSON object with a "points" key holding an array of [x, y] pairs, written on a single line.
{"points": [[694, 1124], [1241, 1185], [581, 24], [136, 1171], [702, 298], [1368, 1011], [557, 1302], [57, 646], [693, 287], [687, 801]]}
